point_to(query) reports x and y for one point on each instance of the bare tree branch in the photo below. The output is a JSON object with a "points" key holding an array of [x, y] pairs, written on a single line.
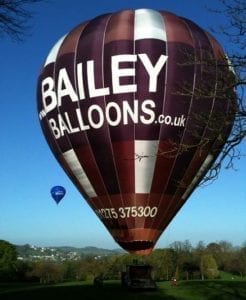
{"points": [[14, 18]]}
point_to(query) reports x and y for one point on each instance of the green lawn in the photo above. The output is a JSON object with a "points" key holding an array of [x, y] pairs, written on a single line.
{"points": [[112, 290], [206, 290]]}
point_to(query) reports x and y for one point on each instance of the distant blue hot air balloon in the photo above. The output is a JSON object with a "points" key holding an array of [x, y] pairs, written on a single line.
{"points": [[57, 193]]}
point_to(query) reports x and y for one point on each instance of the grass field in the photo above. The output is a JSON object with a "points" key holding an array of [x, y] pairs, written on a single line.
{"points": [[112, 290]]}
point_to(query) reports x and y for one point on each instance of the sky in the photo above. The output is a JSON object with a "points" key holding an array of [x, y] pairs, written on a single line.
{"points": [[28, 169]]}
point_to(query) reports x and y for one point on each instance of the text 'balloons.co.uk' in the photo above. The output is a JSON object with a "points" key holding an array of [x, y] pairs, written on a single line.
{"points": [[131, 105]]}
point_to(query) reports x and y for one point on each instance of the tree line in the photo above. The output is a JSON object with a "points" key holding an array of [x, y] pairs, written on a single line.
{"points": [[180, 260]]}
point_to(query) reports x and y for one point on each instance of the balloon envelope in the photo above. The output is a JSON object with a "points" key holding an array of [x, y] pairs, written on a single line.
{"points": [[57, 193], [131, 105]]}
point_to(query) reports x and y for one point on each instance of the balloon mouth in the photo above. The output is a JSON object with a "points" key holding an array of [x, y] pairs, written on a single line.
{"points": [[138, 247]]}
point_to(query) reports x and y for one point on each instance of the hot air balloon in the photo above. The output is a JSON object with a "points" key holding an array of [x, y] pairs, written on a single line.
{"points": [[131, 105], [57, 193]]}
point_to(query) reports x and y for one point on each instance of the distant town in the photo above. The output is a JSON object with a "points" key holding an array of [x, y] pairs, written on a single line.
{"points": [[35, 253]]}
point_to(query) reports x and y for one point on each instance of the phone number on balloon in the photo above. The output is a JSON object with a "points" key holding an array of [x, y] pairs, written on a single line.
{"points": [[127, 212]]}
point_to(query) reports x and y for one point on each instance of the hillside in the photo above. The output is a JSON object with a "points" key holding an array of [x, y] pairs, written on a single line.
{"points": [[30, 252]]}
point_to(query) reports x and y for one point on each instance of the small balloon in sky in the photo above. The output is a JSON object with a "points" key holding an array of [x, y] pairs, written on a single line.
{"points": [[57, 193]]}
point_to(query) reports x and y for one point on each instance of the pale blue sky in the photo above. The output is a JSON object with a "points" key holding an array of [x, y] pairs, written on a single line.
{"points": [[28, 170]]}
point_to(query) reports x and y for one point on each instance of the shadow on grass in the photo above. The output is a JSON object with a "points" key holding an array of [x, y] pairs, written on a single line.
{"points": [[109, 291], [112, 290]]}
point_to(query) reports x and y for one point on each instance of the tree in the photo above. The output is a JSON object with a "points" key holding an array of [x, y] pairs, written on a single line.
{"points": [[8, 260], [242, 261], [234, 30], [208, 267], [163, 265], [190, 268], [223, 78], [47, 272], [237, 262], [186, 263], [70, 270], [14, 17], [222, 252]]}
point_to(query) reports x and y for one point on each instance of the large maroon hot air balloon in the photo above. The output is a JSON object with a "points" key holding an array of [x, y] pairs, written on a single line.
{"points": [[131, 105]]}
